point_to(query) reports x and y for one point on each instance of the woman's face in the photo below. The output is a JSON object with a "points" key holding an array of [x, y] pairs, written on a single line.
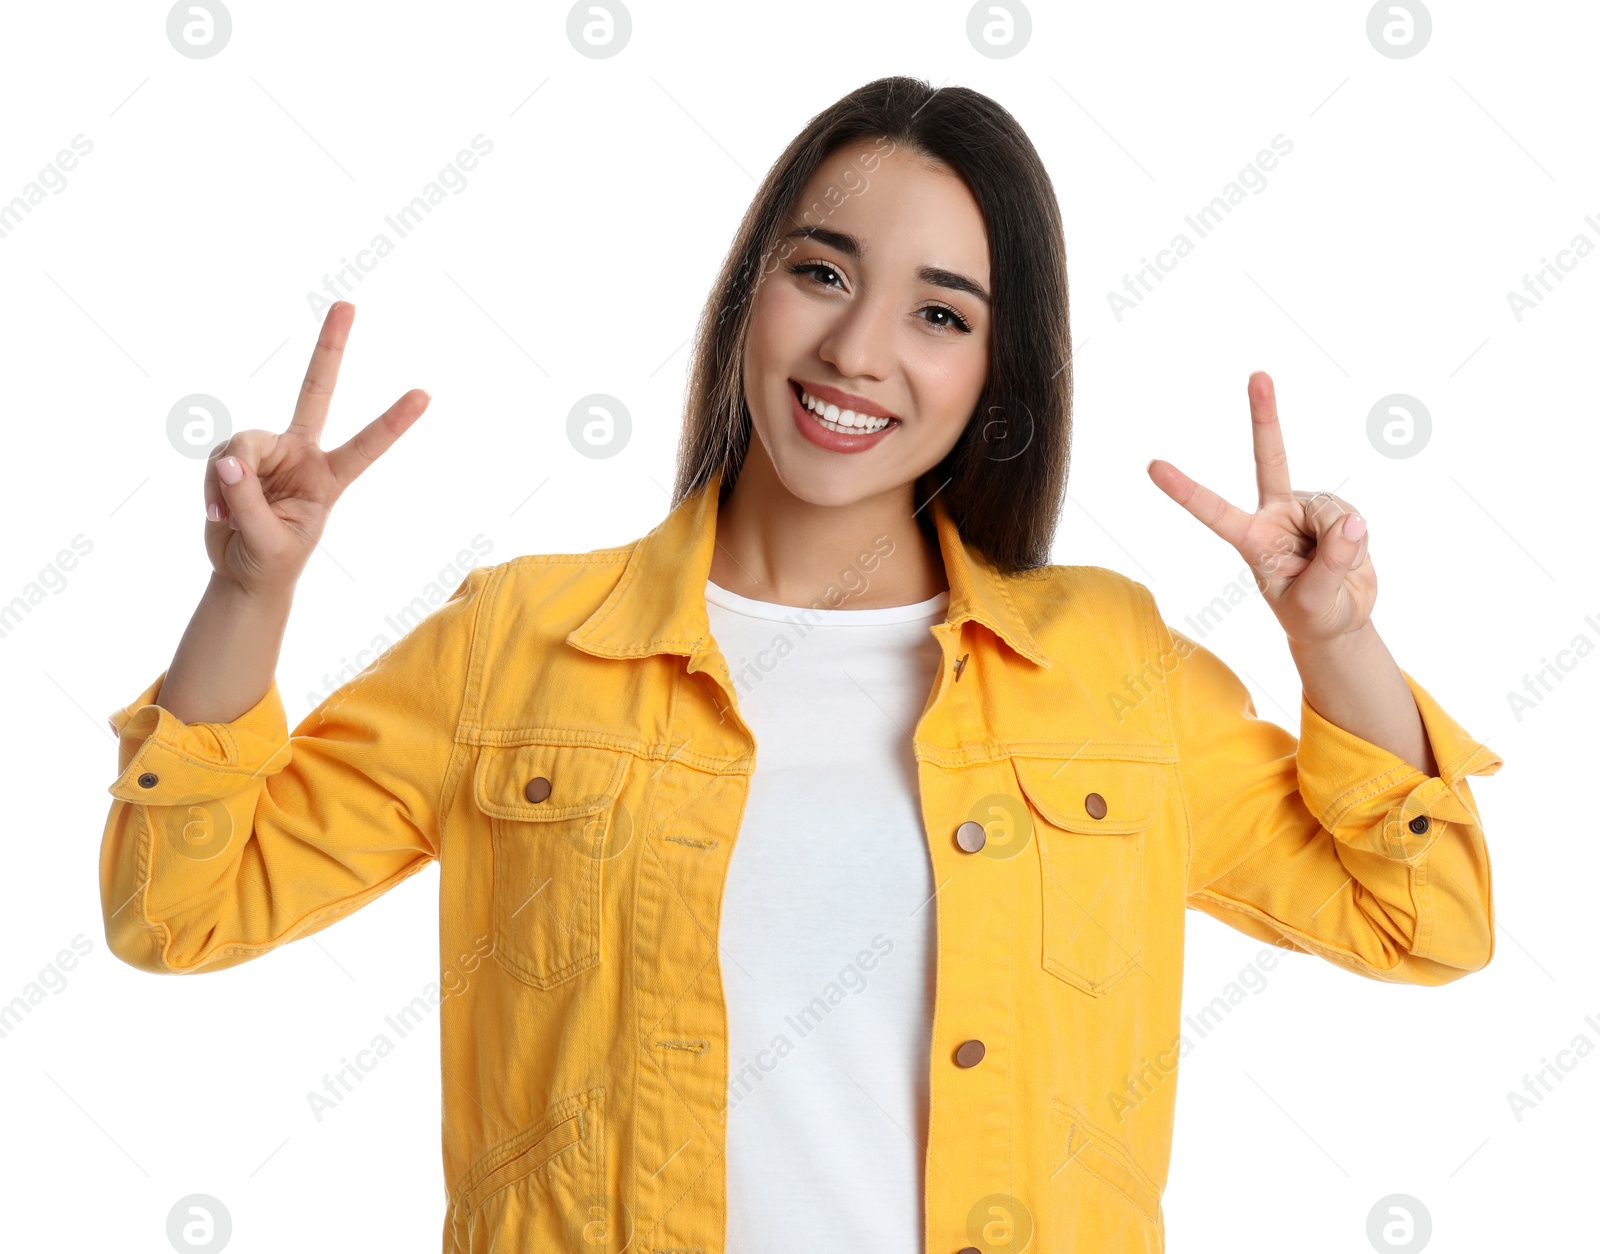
{"points": [[876, 303]]}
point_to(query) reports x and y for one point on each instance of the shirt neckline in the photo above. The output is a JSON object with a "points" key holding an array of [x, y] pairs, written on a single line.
{"points": [[931, 609]]}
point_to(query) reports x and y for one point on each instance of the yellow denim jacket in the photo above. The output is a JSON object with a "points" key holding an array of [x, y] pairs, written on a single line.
{"points": [[563, 736]]}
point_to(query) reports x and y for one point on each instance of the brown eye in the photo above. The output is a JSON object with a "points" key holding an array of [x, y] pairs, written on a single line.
{"points": [[956, 320], [812, 267]]}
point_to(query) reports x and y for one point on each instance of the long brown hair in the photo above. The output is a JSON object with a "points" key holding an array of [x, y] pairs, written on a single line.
{"points": [[1003, 481]]}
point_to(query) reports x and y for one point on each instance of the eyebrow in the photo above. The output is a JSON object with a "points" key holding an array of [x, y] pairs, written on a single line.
{"points": [[851, 247]]}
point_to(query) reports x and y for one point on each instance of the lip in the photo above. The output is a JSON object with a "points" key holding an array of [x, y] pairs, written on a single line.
{"points": [[845, 400], [819, 435]]}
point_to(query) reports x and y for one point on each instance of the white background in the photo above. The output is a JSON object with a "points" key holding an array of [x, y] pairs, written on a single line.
{"points": [[179, 257]]}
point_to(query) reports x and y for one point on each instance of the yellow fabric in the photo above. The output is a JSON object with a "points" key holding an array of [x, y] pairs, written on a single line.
{"points": [[584, 1032]]}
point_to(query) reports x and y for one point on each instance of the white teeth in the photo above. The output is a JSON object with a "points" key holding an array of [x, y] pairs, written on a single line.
{"points": [[841, 419]]}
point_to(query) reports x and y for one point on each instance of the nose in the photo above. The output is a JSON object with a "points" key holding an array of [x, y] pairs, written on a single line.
{"points": [[861, 342]]}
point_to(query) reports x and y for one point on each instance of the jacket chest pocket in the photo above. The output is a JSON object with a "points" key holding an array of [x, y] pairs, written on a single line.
{"points": [[554, 820], [1090, 817]]}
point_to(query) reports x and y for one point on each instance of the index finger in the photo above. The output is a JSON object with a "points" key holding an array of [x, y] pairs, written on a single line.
{"points": [[1226, 519], [311, 408]]}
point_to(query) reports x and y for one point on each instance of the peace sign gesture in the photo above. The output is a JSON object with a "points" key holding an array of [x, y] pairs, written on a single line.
{"points": [[1307, 550], [268, 495]]}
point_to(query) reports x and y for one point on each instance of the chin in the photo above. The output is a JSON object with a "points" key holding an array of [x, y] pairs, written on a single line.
{"points": [[825, 488]]}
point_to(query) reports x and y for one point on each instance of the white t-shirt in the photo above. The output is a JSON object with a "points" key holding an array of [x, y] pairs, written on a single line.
{"points": [[828, 927]]}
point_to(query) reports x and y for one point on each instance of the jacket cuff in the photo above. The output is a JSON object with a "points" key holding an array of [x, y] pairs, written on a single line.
{"points": [[1372, 799], [164, 761]]}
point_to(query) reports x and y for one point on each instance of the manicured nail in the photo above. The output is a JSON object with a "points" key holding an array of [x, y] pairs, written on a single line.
{"points": [[229, 470], [1355, 526], [213, 512]]}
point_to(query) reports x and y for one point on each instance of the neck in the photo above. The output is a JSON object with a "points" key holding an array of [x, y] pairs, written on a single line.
{"points": [[773, 546]]}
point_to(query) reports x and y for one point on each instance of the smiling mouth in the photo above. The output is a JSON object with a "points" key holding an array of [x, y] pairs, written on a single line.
{"points": [[844, 421]]}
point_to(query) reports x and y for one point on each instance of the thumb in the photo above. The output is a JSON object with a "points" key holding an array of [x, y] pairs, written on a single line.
{"points": [[242, 494], [1337, 551]]}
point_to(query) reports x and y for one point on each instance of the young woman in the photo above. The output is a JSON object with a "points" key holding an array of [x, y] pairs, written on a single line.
{"points": [[814, 867]]}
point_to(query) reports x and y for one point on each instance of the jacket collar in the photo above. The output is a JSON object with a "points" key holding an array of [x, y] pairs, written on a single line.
{"points": [[659, 605]]}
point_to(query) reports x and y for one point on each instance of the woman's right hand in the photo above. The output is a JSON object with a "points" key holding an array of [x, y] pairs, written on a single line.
{"points": [[268, 496]]}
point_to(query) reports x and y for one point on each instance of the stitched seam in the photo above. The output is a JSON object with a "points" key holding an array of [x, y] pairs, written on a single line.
{"points": [[172, 751], [667, 880], [441, 806], [688, 1188], [523, 1173], [1112, 1148], [661, 644], [686, 804], [507, 952], [1451, 770], [1336, 810], [307, 923], [1123, 1153], [1311, 943], [614, 598], [597, 557], [500, 1153], [688, 1106], [1421, 882], [660, 1070], [525, 737], [526, 812], [1020, 627], [1157, 633], [145, 859], [973, 753], [1343, 802]]}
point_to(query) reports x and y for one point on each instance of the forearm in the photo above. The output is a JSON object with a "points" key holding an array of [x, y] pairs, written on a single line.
{"points": [[1354, 682], [227, 657]]}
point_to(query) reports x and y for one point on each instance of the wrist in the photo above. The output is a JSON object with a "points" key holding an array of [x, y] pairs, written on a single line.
{"points": [[1354, 643], [225, 590]]}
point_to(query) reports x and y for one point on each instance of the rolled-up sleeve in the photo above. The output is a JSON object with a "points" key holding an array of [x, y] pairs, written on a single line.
{"points": [[164, 759], [227, 839], [1328, 844]]}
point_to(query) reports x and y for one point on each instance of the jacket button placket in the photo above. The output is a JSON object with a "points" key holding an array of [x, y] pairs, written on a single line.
{"points": [[980, 877]]}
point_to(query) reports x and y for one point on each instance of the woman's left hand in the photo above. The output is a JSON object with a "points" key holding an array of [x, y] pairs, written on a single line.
{"points": [[1308, 551]]}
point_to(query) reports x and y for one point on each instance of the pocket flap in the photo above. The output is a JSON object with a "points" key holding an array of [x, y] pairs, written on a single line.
{"points": [[582, 780], [1101, 1155], [523, 1157], [1069, 792]]}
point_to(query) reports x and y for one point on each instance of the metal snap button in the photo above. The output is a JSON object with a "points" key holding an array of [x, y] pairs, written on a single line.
{"points": [[970, 836], [1095, 804], [538, 789]]}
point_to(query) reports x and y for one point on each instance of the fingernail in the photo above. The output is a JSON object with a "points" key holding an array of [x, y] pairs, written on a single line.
{"points": [[229, 470], [213, 512], [1355, 526]]}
